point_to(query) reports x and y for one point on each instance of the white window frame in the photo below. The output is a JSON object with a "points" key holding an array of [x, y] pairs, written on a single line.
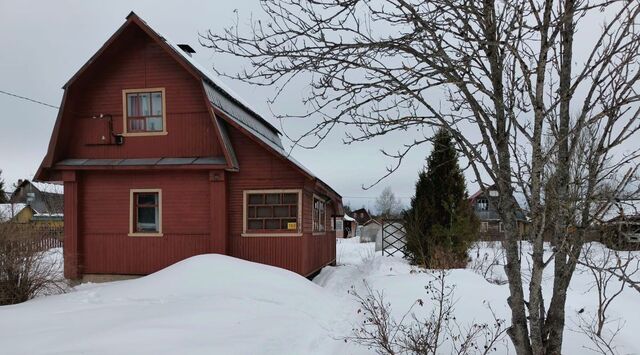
{"points": [[323, 225], [132, 222], [296, 233]]}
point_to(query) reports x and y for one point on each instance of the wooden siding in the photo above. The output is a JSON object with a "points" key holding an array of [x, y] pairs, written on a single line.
{"points": [[104, 201], [135, 63], [260, 170], [201, 209]]}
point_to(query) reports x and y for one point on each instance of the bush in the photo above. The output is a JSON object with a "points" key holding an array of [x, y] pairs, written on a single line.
{"points": [[437, 333], [26, 268]]}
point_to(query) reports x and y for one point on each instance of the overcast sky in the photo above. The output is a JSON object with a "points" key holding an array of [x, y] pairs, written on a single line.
{"points": [[43, 43]]}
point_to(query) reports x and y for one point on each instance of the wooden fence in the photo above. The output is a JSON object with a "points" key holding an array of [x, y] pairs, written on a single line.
{"points": [[41, 236]]}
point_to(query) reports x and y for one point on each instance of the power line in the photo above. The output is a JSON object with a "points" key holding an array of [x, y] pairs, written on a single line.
{"points": [[29, 99]]}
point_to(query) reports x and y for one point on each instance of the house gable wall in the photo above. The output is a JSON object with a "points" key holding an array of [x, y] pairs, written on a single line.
{"points": [[136, 61]]}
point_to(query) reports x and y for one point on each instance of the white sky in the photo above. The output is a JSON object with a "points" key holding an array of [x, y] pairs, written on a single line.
{"points": [[43, 43]]}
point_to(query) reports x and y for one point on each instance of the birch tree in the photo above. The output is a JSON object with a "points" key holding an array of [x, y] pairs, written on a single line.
{"points": [[521, 86]]}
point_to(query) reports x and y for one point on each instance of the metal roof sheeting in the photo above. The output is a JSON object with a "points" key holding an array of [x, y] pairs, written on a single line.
{"points": [[144, 162]]}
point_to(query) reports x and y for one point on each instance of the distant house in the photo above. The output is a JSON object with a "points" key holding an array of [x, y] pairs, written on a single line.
{"points": [[485, 206], [161, 161], [43, 198], [361, 216], [623, 217], [16, 212], [371, 231]]}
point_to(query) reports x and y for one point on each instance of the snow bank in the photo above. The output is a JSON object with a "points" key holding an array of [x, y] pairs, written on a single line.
{"points": [[214, 304], [403, 284], [208, 304]]}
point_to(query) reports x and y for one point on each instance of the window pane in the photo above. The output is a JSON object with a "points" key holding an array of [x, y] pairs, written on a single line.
{"points": [[147, 219], [272, 224], [145, 102], [255, 224], [293, 211], [290, 198], [156, 103], [251, 211], [154, 123], [133, 105], [136, 124], [264, 211], [281, 211], [273, 199], [147, 199], [256, 199]]}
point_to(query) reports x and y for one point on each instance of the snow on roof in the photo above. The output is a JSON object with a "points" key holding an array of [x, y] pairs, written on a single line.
{"points": [[49, 187], [347, 218], [10, 210], [626, 208]]}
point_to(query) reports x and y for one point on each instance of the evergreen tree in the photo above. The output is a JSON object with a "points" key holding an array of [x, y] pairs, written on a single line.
{"points": [[440, 223], [3, 194]]}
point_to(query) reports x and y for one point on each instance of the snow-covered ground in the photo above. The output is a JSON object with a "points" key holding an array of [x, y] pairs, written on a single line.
{"points": [[213, 304]]}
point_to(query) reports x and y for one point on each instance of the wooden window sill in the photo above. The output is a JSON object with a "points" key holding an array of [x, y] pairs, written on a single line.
{"points": [[146, 234], [144, 134], [271, 234]]}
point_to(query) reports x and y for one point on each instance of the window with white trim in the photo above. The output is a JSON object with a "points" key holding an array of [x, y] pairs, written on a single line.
{"points": [[146, 212], [319, 214], [144, 111], [272, 211]]}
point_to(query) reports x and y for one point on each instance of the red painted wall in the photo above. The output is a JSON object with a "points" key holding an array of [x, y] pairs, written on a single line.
{"points": [[260, 169], [136, 62], [104, 203]]}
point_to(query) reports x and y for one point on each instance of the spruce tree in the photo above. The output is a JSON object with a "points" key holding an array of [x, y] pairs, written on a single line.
{"points": [[440, 224], [3, 194]]}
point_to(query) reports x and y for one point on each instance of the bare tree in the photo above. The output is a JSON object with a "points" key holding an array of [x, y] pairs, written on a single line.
{"points": [[387, 205], [27, 267], [518, 98], [600, 262], [437, 333]]}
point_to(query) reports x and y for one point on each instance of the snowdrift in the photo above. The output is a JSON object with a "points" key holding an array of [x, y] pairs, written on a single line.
{"points": [[208, 304]]}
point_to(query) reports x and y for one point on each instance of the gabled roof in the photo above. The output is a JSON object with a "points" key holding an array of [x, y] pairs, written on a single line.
{"points": [[620, 210], [220, 96], [9, 210]]}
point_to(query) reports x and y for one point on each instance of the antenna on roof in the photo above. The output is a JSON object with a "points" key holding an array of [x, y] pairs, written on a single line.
{"points": [[187, 49]]}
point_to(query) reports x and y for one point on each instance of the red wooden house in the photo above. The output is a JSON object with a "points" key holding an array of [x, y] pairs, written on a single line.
{"points": [[160, 162]]}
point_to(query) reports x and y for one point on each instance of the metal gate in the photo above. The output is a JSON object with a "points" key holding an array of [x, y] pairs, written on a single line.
{"points": [[394, 241]]}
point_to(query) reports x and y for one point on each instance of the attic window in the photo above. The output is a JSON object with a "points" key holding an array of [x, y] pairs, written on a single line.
{"points": [[482, 204], [144, 112]]}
